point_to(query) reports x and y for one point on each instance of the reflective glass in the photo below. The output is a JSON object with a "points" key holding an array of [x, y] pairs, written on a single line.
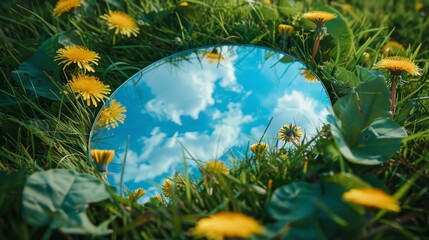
{"points": [[205, 104]]}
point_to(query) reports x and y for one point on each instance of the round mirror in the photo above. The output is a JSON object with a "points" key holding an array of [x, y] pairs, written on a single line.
{"points": [[200, 105]]}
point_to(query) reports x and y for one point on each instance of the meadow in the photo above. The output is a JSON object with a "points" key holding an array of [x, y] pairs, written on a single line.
{"points": [[365, 175]]}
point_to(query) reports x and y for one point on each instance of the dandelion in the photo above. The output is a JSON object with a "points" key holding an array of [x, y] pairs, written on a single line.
{"points": [[184, 4], [102, 158], [372, 197], [419, 6], [89, 88], [159, 198], [392, 47], [365, 57], [396, 65], [259, 147], [216, 166], [167, 187], [78, 55], [63, 6], [290, 133], [308, 75], [111, 116], [137, 194], [213, 56], [122, 23], [283, 156], [285, 29], [226, 225], [319, 18]]}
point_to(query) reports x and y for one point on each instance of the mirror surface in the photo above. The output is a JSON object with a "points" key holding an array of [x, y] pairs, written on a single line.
{"points": [[204, 104]]}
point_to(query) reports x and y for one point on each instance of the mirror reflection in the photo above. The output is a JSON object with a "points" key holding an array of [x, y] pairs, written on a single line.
{"points": [[201, 105]]}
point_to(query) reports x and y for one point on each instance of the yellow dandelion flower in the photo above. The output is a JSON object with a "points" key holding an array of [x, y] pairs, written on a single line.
{"points": [[319, 17], [137, 194], [63, 6], [290, 133], [78, 55], [184, 4], [89, 88], [111, 116], [167, 187], [216, 166], [285, 29], [392, 47], [365, 57], [397, 64], [283, 156], [122, 23], [419, 6], [308, 75], [226, 224], [259, 147], [102, 158], [372, 197], [266, 1], [213, 57]]}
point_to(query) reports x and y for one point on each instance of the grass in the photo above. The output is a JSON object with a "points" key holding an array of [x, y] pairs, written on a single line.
{"points": [[38, 133]]}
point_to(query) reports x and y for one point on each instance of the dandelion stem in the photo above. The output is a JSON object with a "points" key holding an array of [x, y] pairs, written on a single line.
{"points": [[316, 47], [395, 79]]}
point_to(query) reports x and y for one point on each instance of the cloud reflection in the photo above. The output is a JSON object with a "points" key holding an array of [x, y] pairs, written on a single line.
{"points": [[196, 110]]}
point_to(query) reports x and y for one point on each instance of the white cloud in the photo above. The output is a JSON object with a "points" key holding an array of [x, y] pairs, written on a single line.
{"points": [[161, 154], [304, 111], [185, 88]]}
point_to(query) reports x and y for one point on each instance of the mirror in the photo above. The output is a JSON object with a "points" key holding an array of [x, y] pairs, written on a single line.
{"points": [[200, 105]]}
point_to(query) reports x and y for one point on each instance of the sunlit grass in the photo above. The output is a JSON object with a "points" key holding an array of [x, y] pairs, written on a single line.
{"points": [[38, 133]]}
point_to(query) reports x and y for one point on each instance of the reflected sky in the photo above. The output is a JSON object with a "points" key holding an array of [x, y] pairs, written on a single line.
{"points": [[198, 106]]}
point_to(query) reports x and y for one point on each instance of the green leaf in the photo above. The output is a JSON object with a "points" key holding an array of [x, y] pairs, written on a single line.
{"points": [[347, 181], [362, 126], [347, 77], [366, 75], [339, 29], [59, 197], [40, 73], [313, 210]]}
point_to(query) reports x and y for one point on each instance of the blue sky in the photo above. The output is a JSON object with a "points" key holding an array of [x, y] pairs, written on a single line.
{"points": [[207, 107]]}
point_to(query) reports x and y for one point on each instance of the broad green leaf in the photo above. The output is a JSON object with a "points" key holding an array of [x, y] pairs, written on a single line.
{"points": [[339, 29], [311, 210], [59, 197], [347, 77], [40, 73], [366, 75], [362, 126], [347, 181]]}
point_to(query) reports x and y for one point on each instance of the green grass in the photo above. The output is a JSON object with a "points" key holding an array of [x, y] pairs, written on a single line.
{"points": [[37, 133]]}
